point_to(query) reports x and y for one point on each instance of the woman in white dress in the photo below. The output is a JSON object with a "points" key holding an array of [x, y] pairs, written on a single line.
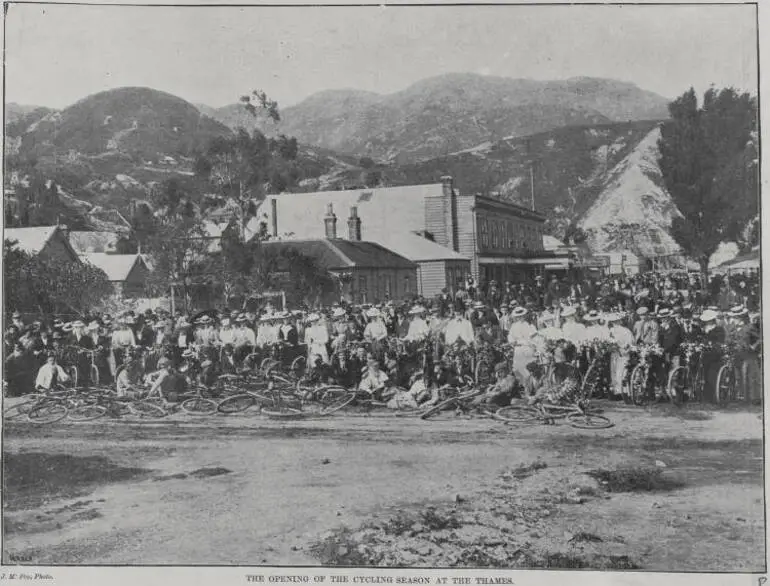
{"points": [[619, 358], [522, 337], [316, 338]]}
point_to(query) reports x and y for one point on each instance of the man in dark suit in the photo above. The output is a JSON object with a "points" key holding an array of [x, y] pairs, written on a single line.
{"points": [[79, 339]]}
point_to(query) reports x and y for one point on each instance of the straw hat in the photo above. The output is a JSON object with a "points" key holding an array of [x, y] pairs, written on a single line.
{"points": [[568, 311], [664, 312], [338, 312], [519, 312], [204, 319], [708, 315], [313, 317], [642, 311], [373, 312], [416, 310]]}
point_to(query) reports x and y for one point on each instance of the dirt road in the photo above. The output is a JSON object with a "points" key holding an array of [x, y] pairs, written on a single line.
{"points": [[246, 490]]}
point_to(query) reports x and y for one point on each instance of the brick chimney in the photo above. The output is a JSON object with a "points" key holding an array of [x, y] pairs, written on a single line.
{"points": [[450, 211], [330, 221], [274, 212], [354, 225]]}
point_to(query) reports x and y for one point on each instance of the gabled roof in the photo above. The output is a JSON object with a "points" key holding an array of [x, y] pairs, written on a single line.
{"points": [[117, 267], [84, 242], [382, 210], [32, 240], [417, 248], [343, 254]]}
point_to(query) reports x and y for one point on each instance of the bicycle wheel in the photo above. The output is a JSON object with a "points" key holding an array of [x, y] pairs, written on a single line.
{"points": [[518, 414], [726, 384], [146, 410], [298, 367], [698, 384], [283, 413], [636, 385], [94, 376], [86, 412], [438, 407], [677, 384], [339, 403], [267, 364], [589, 421], [47, 412], [483, 373], [21, 408], [198, 406], [73, 372], [236, 404]]}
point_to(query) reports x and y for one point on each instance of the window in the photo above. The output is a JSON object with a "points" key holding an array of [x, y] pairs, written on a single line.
{"points": [[407, 285], [389, 286], [484, 232], [494, 234], [509, 235]]}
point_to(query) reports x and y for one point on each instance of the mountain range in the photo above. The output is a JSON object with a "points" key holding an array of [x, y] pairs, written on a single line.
{"points": [[585, 148], [448, 113]]}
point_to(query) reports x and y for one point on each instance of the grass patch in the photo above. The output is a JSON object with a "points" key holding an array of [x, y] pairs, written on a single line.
{"points": [[523, 471], [635, 480], [33, 478]]}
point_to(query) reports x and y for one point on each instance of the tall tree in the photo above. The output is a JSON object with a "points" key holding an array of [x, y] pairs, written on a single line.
{"points": [[701, 149]]}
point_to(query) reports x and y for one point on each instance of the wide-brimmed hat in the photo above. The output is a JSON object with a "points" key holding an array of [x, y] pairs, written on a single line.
{"points": [[612, 317], [373, 312], [57, 323], [416, 310], [241, 319], [338, 312], [94, 325], [188, 353], [592, 315], [513, 303], [313, 317], [478, 305], [78, 324], [182, 322], [738, 311], [642, 311], [664, 312], [204, 319], [568, 311], [267, 317], [708, 315], [67, 327], [519, 312]]}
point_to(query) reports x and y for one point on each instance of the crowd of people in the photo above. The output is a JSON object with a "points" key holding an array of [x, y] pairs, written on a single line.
{"points": [[419, 346]]}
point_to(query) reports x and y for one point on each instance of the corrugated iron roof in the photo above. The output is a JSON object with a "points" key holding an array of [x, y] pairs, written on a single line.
{"points": [[31, 240], [343, 254], [117, 267], [382, 210], [417, 248], [86, 242]]}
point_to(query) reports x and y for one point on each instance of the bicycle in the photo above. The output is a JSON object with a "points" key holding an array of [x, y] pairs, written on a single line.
{"points": [[639, 383], [688, 380]]}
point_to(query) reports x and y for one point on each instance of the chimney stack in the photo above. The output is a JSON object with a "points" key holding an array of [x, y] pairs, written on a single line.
{"points": [[330, 221], [450, 211], [354, 225], [274, 212]]}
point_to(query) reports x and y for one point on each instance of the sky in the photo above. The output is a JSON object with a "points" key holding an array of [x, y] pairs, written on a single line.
{"points": [[58, 54]]}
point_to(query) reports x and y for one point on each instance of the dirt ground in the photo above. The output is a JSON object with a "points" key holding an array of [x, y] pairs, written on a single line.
{"points": [[382, 490]]}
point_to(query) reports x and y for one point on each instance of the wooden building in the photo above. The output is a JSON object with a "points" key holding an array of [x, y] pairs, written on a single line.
{"points": [[127, 272], [48, 242]]}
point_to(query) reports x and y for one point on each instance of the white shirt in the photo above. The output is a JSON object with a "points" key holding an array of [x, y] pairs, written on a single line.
{"points": [[245, 337], [373, 381], [622, 336], [375, 331], [123, 337], [521, 333], [573, 331], [418, 330], [227, 336], [459, 329], [45, 375]]}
